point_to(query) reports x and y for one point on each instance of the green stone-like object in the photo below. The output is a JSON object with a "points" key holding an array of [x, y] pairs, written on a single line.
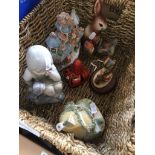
{"points": [[83, 119]]}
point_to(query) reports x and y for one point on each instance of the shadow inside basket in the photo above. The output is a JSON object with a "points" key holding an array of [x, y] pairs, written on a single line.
{"points": [[51, 112]]}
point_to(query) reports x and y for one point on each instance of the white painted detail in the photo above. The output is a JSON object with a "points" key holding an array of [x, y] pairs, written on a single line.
{"points": [[93, 108], [71, 120], [92, 35], [60, 126]]}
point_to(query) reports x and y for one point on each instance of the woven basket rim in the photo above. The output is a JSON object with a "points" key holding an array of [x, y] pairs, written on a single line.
{"points": [[30, 14]]}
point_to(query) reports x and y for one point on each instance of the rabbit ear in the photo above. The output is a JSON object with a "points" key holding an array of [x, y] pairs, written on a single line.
{"points": [[103, 9], [97, 7]]}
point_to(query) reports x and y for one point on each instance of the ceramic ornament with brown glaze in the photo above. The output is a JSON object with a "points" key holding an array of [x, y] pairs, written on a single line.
{"points": [[103, 80], [92, 33]]}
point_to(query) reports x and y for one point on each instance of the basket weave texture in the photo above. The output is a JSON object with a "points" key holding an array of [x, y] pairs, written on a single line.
{"points": [[117, 107]]}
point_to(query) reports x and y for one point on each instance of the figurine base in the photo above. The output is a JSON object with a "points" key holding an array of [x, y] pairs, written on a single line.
{"points": [[104, 87], [43, 99]]}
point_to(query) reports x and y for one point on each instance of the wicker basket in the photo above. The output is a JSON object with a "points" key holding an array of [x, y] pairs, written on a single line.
{"points": [[117, 107]]}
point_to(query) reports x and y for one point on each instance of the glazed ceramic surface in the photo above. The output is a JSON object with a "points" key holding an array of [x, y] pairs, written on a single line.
{"points": [[45, 85], [64, 44], [83, 119]]}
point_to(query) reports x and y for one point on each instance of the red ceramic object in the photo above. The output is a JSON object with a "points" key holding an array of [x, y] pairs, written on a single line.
{"points": [[77, 74], [77, 66]]}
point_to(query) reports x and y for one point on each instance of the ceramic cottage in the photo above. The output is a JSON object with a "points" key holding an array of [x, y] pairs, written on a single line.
{"points": [[64, 43]]}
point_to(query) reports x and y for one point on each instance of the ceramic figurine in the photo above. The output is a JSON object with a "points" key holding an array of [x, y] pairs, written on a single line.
{"points": [[83, 119], [42, 76], [77, 74], [92, 32], [107, 48], [102, 79], [64, 44]]}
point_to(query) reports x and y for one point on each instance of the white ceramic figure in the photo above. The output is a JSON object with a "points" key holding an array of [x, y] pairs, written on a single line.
{"points": [[40, 67]]}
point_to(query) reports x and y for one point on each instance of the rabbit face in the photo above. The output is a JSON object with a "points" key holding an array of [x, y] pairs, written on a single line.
{"points": [[99, 24]]}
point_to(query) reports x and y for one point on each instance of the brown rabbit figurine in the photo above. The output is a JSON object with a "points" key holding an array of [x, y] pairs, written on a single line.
{"points": [[92, 32]]}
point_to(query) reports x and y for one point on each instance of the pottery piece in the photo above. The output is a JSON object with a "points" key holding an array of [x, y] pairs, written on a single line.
{"points": [[107, 48], [102, 79], [82, 119], [76, 74], [92, 33], [64, 44], [41, 75]]}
